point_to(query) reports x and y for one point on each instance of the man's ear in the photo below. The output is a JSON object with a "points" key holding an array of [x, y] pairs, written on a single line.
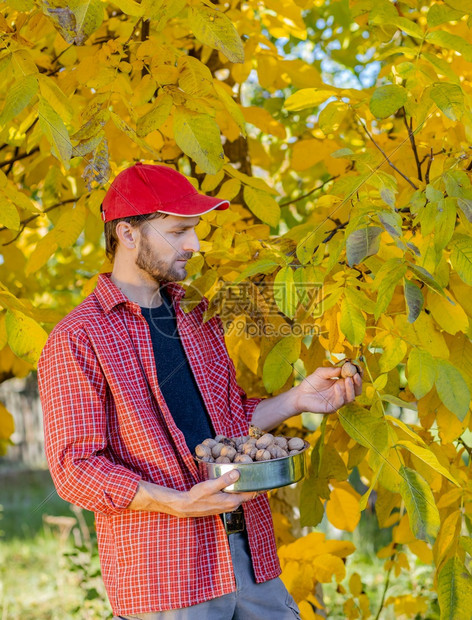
{"points": [[127, 235]]}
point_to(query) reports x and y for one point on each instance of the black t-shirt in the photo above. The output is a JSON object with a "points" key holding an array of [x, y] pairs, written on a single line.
{"points": [[175, 376]]}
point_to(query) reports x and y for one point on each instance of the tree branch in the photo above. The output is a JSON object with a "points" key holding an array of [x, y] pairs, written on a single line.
{"points": [[24, 223], [290, 202], [407, 179], [431, 157], [9, 162], [413, 144]]}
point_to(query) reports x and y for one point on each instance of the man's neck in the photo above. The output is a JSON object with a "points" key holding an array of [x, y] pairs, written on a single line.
{"points": [[142, 291]]}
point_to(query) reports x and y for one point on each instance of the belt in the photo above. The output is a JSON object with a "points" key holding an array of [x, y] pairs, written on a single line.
{"points": [[234, 521]]}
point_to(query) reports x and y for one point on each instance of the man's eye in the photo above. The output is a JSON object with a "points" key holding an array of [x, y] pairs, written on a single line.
{"points": [[179, 232]]}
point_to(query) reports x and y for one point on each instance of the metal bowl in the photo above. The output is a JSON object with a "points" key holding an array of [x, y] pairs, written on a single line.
{"points": [[261, 475]]}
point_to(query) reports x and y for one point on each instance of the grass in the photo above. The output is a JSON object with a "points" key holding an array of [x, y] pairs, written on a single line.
{"points": [[38, 580]]}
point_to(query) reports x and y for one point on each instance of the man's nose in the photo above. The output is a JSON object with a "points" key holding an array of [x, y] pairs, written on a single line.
{"points": [[192, 242]]}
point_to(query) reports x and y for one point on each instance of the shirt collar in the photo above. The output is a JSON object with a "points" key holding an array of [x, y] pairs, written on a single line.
{"points": [[109, 295]]}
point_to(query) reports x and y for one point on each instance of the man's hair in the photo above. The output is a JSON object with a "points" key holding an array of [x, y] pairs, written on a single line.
{"points": [[136, 221]]}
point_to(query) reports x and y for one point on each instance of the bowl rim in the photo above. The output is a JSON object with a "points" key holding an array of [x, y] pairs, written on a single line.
{"points": [[280, 458]]}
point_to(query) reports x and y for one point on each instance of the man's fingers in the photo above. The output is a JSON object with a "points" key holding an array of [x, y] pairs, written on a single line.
{"points": [[328, 372], [230, 477]]}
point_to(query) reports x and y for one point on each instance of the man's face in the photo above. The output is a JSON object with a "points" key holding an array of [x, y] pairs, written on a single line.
{"points": [[165, 245]]}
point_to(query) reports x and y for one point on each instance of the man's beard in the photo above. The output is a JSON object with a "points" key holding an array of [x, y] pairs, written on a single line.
{"points": [[157, 269]]}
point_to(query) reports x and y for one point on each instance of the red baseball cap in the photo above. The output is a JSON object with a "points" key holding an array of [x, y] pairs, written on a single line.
{"points": [[147, 188]]}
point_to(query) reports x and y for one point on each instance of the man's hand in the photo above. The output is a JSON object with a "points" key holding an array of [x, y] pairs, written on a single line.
{"points": [[324, 391], [203, 499]]}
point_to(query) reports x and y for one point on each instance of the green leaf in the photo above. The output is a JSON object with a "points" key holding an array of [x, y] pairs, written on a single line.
{"points": [[307, 244], [451, 42], [428, 457], [311, 508], [153, 119], [199, 137], [25, 336], [386, 100], [414, 299], [421, 372], [466, 543], [278, 365], [420, 505], [352, 322], [262, 205], [386, 279], [160, 11], [285, 293], [18, 97], [214, 29], [55, 131], [307, 98], [452, 388], [423, 274], [368, 430], [461, 257], [264, 265], [449, 98], [439, 14], [460, 5], [454, 590], [77, 20], [394, 350], [362, 243]]}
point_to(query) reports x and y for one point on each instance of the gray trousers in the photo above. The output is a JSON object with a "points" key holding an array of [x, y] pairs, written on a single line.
{"points": [[251, 601]]}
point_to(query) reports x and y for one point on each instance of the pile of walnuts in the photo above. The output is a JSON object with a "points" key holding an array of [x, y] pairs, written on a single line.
{"points": [[248, 449]]}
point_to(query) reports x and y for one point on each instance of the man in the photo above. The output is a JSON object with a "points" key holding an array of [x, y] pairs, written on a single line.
{"points": [[125, 402]]}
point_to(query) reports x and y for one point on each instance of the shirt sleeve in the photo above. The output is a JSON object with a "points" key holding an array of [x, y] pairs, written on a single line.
{"points": [[73, 390]]}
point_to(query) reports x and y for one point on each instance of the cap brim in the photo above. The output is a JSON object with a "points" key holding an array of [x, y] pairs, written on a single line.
{"points": [[197, 204]]}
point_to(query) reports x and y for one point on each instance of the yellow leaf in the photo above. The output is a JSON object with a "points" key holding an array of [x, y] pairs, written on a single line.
{"points": [[307, 153], [326, 566], [156, 116], [7, 424], [56, 98], [422, 550], [263, 120], [450, 427], [355, 584], [18, 97], [231, 106], [262, 205], [298, 579], [427, 457], [394, 351], [450, 316], [9, 216], [342, 508], [43, 251], [229, 189], [308, 98], [25, 336]]}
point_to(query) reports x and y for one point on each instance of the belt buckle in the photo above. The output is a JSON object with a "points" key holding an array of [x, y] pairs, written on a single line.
{"points": [[234, 521]]}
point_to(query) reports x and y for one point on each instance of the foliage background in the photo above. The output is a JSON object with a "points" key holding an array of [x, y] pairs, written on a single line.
{"points": [[340, 131]]}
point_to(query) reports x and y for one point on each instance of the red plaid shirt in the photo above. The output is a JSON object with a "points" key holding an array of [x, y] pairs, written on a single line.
{"points": [[107, 426]]}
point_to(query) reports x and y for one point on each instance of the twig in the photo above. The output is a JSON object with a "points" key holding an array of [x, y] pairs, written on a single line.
{"points": [[384, 593], [413, 144], [289, 202], [386, 156], [33, 217], [17, 158], [431, 157]]}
